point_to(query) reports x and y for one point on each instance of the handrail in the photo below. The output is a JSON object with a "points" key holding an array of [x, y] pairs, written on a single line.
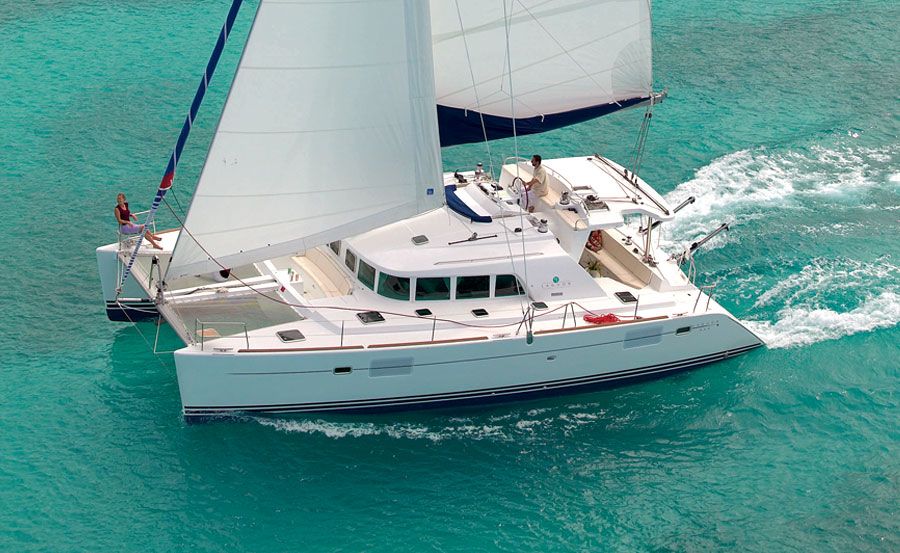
{"points": [[617, 176], [516, 158], [571, 306], [634, 184], [128, 238], [202, 327], [700, 290]]}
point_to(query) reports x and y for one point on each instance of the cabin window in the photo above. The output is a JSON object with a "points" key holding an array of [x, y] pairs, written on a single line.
{"points": [[428, 289], [350, 261], [507, 285], [472, 287], [335, 247], [366, 274], [396, 288]]}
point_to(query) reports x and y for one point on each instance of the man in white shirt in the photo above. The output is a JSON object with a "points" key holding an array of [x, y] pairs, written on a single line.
{"points": [[537, 186]]}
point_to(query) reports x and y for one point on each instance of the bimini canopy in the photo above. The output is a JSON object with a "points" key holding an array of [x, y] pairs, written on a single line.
{"points": [[570, 61]]}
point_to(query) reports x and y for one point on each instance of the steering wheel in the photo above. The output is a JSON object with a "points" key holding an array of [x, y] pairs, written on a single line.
{"points": [[517, 188]]}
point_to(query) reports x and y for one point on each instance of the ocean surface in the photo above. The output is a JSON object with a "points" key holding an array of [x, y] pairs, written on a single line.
{"points": [[782, 118]]}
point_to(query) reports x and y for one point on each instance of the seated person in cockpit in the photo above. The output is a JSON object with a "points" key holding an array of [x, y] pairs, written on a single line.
{"points": [[537, 186]]}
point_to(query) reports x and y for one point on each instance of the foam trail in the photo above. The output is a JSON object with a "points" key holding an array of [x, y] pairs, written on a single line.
{"points": [[831, 276], [514, 426], [748, 183], [337, 430], [800, 326]]}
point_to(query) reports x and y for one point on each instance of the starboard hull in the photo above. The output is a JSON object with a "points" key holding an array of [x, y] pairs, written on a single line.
{"points": [[450, 375]]}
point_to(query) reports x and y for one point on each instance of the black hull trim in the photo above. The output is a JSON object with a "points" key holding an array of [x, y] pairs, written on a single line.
{"points": [[473, 397], [128, 311]]}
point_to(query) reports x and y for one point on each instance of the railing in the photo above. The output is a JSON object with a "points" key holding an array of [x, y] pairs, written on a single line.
{"points": [[200, 330], [709, 296], [570, 312], [127, 241]]}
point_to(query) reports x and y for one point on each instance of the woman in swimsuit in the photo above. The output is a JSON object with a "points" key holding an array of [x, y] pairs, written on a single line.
{"points": [[124, 218]]}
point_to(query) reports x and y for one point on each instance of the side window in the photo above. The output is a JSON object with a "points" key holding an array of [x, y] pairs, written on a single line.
{"points": [[396, 288], [428, 289], [350, 261], [473, 287], [335, 247], [507, 285], [366, 274]]}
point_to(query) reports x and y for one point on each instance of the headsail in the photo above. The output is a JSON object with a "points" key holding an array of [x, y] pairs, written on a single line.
{"points": [[329, 130], [572, 60]]}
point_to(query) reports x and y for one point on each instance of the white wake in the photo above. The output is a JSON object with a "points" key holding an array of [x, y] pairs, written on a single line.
{"points": [[800, 326], [746, 184]]}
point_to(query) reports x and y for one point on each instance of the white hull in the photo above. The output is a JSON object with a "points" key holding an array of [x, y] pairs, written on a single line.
{"points": [[450, 374]]}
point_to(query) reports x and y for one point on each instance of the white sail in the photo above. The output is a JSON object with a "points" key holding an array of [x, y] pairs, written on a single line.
{"points": [[329, 130], [565, 55]]}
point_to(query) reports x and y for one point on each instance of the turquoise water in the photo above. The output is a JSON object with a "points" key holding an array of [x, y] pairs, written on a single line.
{"points": [[782, 118]]}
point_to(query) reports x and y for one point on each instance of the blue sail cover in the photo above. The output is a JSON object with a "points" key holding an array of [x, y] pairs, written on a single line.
{"points": [[458, 126], [455, 203]]}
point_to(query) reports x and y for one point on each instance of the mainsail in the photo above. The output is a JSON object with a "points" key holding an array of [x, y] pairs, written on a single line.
{"points": [[571, 60], [329, 130]]}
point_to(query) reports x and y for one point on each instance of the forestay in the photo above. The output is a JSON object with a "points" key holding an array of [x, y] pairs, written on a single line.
{"points": [[571, 60], [329, 130]]}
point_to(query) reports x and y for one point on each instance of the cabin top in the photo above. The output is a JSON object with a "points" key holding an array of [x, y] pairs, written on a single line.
{"points": [[483, 224]]}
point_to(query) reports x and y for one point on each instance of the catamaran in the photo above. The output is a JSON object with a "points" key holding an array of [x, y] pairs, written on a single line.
{"points": [[327, 263]]}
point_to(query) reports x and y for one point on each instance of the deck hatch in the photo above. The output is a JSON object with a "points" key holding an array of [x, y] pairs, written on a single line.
{"points": [[419, 239], [423, 312], [368, 317], [480, 312], [626, 297], [290, 335]]}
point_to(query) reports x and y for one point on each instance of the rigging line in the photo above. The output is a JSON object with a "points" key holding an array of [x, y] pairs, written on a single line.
{"points": [[512, 104], [641, 140], [528, 316], [646, 134], [146, 341], [487, 142], [563, 48], [550, 58], [178, 203], [156, 340], [315, 307], [639, 154]]}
